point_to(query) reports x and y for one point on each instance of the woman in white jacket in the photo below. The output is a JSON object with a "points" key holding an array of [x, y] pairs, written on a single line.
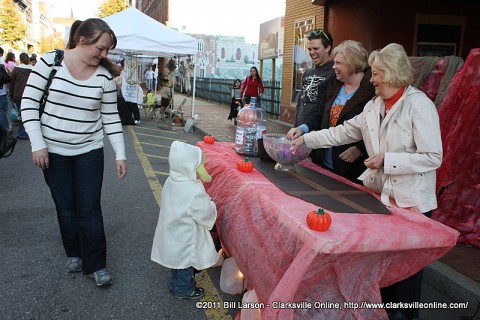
{"points": [[401, 132], [182, 239]]}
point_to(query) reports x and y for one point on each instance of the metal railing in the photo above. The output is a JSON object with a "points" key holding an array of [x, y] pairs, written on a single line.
{"points": [[220, 90]]}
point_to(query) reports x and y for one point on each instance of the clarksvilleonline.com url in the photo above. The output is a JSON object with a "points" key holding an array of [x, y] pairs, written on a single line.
{"points": [[405, 305], [329, 305]]}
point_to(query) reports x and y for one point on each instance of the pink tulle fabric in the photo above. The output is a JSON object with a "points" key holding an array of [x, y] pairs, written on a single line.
{"points": [[283, 260], [458, 179]]}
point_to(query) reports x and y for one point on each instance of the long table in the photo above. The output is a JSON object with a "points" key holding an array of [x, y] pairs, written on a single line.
{"points": [[329, 274]]}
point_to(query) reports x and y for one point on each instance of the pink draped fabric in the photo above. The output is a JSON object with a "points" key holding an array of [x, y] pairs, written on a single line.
{"points": [[283, 260], [458, 179]]}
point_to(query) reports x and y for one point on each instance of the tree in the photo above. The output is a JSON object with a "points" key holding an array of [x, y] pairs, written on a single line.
{"points": [[109, 7], [50, 42], [12, 26]]}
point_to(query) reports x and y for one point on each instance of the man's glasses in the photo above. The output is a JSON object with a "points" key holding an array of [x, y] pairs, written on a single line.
{"points": [[318, 32]]}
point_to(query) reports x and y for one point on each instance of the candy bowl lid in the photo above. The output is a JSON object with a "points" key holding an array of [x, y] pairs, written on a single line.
{"points": [[280, 149]]}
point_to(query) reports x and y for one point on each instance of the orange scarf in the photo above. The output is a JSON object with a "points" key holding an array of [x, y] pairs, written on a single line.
{"points": [[390, 102]]}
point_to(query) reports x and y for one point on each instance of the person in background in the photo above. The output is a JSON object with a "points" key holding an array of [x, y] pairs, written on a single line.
{"points": [[67, 141], [149, 76], [130, 94], [236, 100], [316, 79], [346, 96], [33, 59], [182, 240], [10, 61], [150, 99], [3, 99], [19, 77], [252, 86], [401, 131]]}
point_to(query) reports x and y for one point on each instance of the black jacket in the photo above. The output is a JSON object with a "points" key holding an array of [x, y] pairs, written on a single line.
{"points": [[352, 107]]}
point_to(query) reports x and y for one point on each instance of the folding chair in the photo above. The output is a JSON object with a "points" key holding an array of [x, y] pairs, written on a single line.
{"points": [[178, 112], [159, 109]]}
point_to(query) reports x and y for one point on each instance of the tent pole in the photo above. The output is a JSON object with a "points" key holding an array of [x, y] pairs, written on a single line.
{"points": [[194, 83]]}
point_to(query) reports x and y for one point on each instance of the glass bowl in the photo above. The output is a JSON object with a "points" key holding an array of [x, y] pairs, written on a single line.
{"points": [[280, 149]]}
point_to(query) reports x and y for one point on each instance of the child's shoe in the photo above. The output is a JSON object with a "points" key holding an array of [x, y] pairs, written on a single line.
{"points": [[197, 293]]}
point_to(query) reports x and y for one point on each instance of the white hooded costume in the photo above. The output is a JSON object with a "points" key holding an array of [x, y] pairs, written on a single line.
{"points": [[182, 238]]}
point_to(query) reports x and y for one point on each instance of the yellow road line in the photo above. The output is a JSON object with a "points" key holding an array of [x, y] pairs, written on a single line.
{"points": [[155, 145], [155, 156], [203, 280], [152, 129], [211, 295], [162, 173], [147, 168]]}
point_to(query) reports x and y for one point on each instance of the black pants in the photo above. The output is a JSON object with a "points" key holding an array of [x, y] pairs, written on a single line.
{"points": [[133, 107], [124, 112], [407, 290]]}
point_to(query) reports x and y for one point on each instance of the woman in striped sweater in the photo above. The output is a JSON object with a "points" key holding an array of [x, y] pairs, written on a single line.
{"points": [[67, 142]]}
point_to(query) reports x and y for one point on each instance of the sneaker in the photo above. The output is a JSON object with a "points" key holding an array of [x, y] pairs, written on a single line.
{"points": [[197, 293], [74, 264], [102, 278], [137, 122]]}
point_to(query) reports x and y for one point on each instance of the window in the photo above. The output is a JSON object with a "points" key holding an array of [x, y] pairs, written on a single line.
{"points": [[439, 36], [300, 55], [238, 56], [201, 45]]}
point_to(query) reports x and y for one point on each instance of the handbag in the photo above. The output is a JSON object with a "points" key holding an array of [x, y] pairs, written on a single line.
{"points": [[7, 143], [56, 65], [4, 76], [14, 114]]}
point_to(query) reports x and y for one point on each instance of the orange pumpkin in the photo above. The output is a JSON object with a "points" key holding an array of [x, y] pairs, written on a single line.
{"points": [[319, 220], [209, 139], [245, 165]]}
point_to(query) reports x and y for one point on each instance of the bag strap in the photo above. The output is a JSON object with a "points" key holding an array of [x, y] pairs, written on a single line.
{"points": [[57, 62]]}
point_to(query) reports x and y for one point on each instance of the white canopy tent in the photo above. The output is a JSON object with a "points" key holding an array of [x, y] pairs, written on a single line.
{"points": [[139, 34]]}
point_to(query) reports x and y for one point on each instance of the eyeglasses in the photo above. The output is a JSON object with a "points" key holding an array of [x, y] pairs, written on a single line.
{"points": [[318, 32]]}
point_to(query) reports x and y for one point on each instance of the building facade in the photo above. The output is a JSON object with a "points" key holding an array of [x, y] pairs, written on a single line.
{"points": [[424, 28]]}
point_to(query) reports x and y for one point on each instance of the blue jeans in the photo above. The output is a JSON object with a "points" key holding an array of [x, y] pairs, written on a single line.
{"points": [[75, 183], [182, 282], [21, 129], [3, 112]]}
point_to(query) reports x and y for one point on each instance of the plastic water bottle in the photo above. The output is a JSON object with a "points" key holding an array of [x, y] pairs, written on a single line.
{"points": [[252, 125]]}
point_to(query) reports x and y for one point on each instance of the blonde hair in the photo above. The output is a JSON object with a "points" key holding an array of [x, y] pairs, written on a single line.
{"points": [[356, 56], [394, 63]]}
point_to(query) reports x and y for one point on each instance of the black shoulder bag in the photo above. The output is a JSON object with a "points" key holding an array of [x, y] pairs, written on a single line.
{"points": [[4, 76], [7, 143], [56, 65]]}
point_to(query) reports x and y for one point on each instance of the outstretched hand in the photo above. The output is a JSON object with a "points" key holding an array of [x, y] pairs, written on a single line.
{"points": [[294, 133], [296, 143]]}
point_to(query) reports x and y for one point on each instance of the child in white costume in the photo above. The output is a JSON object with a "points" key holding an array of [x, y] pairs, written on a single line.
{"points": [[182, 239]]}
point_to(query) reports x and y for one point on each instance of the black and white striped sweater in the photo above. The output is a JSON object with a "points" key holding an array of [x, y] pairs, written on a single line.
{"points": [[76, 113]]}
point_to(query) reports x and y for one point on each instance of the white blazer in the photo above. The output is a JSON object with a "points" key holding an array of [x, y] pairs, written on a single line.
{"points": [[409, 136]]}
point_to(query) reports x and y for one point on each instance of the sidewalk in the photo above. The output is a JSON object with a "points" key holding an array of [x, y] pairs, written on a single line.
{"points": [[457, 274]]}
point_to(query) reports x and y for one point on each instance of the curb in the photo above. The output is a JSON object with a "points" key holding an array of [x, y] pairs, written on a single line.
{"points": [[454, 285]]}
